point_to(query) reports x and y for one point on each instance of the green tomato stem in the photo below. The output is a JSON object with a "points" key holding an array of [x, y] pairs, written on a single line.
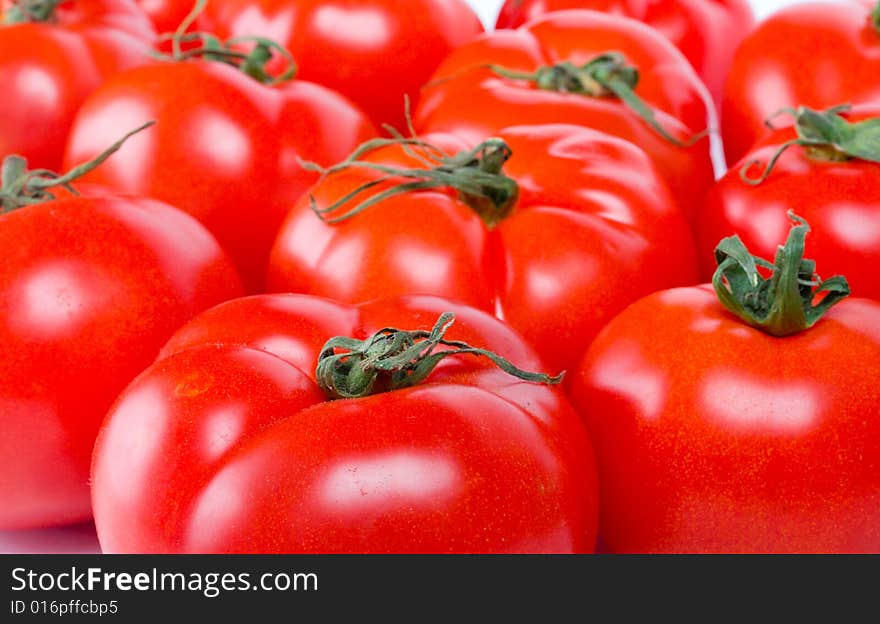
{"points": [[393, 359], [792, 300]]}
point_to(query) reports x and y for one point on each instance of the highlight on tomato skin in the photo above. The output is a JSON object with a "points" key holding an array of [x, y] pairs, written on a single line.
{"points": [[226, 444], [748, 430]]}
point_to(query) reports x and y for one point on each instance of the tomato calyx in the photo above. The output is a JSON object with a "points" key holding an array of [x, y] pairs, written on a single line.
{"points": [[826, 136], [393, 359], [875, 18], [477, 174], [189, 45], [792, 300], [20, 187], [42, 11], [607, 75]]}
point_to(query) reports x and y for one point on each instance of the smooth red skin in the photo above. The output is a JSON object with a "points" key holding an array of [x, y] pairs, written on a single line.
{"points": [[714, 437], [840, 201], [224, 149], [49, 69], [810, 54], [90, 289], [226, 445], [707, 33], [474, 103], [166, 15], [340, 43], [593, 230]]}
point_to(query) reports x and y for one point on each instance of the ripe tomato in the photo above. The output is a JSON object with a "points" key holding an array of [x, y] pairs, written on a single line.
{"points": [[840, 198], [713, 436], [224, 149], [578, 55], [707, 33], [49, 67], [815, 54], [583, 226], [90, 289], [373, 51], [226, 444]]}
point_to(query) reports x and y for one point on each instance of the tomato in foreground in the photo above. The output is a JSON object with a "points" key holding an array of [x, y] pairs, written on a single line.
{"points": [[90, 289], [816, 54], [557, 228], [586, 68], [372, 51], [717, 435], [227, 444], [828, 165], [52, 55], [708, 33]]}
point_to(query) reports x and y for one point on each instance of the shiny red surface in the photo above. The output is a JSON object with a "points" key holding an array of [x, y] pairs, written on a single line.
{"points": [[226, 444], [714, 437], [594, 229], [90, 289]]}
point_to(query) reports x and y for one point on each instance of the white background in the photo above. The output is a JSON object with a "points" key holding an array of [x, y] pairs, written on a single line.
{"points": [[488, 9], [82, 539]]}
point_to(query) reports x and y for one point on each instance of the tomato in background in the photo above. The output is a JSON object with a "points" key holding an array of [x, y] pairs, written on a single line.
{"points": [[225, 148], [372, 51], [708, 33], [835, 191], [576, 226], [227, 445], [90, 289], [716, 437], [471, 100], [48, 68], [815, 54]]}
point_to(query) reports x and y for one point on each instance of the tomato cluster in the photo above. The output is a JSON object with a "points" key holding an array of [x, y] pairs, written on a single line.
{"points": [[325, 276]]}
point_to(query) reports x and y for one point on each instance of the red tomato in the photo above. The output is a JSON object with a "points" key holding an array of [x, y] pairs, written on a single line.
{"points": [[90, 289], [49, 68], [592, 228], [473, 101], [839, 198], [712, 436], [373, 51], [226, 444], [815, 54], [707, 33], [166, 15], [225, 149]]}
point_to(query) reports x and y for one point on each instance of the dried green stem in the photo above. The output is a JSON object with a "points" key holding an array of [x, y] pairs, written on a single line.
{"points": [[23, 11], [392, 359], [826, 135], [477, 174]]}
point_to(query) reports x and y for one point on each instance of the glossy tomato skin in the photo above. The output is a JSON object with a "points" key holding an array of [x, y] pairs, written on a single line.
{"points": [[714, 437], [49, 70], [372, 51], [225, 149], [593, 230], [466, 99], [90, 289], [835, 44], [838, 199], [707, 33], [226, 445]]}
